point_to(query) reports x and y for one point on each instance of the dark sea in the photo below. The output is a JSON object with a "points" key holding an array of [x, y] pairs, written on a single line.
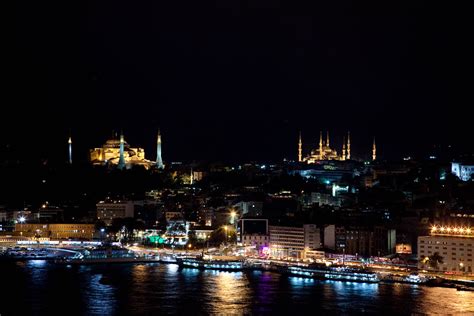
{"points": [[42, 288]]}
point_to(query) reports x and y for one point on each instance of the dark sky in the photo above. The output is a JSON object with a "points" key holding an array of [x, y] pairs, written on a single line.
{"points": [[236, 80]]}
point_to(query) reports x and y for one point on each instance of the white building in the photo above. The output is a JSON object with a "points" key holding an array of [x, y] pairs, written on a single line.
{"points": [[108, 210], [257, 240], [462, 171], [454, 244], [287, 241]]}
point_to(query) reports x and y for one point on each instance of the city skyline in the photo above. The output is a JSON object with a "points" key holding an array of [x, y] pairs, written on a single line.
{"points": [[252, 83], [271, 144]]}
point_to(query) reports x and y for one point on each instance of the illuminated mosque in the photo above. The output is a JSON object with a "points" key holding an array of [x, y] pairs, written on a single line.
{"points": [[325, 152], [117, 152]]}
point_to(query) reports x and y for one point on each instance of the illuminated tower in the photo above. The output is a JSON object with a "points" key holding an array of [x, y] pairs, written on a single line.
{"points": [[70, 149], [300, 149], [121, 163], [327, 138], [159, 161], [374, 151], [343, 148], [321, 145], [348, 155], [191, 176]]}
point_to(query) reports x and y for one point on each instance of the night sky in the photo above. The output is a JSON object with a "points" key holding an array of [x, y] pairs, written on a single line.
{"points": [[236, 80]]}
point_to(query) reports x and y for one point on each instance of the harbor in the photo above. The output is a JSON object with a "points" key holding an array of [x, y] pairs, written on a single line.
{"points": [[114, 254]]}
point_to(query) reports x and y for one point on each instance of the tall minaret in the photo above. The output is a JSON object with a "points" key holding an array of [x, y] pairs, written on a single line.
{"points": [[343, 148], [70, 149], [159, 161], [348, 156], [321, 145], [300, 149], [191, 176], [374, 151], [327, 139], [121, 163]]}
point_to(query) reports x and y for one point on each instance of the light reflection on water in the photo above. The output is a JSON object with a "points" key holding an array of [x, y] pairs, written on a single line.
{"points": [[155, 288]]}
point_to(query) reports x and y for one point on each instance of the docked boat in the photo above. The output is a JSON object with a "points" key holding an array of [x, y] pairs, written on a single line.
{"points": [[211, 264], [106, 255], [334, 273]]}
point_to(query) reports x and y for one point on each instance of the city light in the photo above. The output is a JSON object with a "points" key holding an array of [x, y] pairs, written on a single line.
{"points": [[449, 230], [21, 219]]}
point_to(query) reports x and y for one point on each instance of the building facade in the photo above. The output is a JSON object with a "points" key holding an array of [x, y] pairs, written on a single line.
{"points": [[56, 231], [456, 249], [288, 241], [110, 209]]}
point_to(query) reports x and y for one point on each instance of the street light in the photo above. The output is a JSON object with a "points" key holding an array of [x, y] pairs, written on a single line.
{"points": [[21, 219]]}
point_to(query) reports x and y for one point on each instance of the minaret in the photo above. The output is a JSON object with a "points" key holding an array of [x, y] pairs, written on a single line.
{"points": [[159, 161], [348, 156], [343, 148], [374, 151], [70, 149], [191, 176], [300, 149], [327, 139], [121, 163], [321, 145]]}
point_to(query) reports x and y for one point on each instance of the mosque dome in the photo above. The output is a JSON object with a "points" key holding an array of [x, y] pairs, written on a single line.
{"points": [[114, 143]]}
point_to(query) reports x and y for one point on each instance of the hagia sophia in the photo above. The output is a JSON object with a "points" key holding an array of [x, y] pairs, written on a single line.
{"points": [[117, 152]]}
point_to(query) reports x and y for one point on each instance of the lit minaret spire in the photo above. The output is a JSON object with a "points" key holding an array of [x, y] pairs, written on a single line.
{"points": [[300, 149], [159, 161], [374, 151], [70, 149], [121, 163], [191, 176], [327, 138], [321, 145], [348, 156], [343, 148]]}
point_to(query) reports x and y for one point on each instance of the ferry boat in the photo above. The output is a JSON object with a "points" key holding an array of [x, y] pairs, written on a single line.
{"points": [[211, 264], [334, 273], [106, 255]]}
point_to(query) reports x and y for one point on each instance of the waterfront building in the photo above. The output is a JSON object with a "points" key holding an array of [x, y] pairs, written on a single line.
{"points": [[288, 241], [362, 240], [455, 246], [259, 241], [253, 232], [56, 230]]}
